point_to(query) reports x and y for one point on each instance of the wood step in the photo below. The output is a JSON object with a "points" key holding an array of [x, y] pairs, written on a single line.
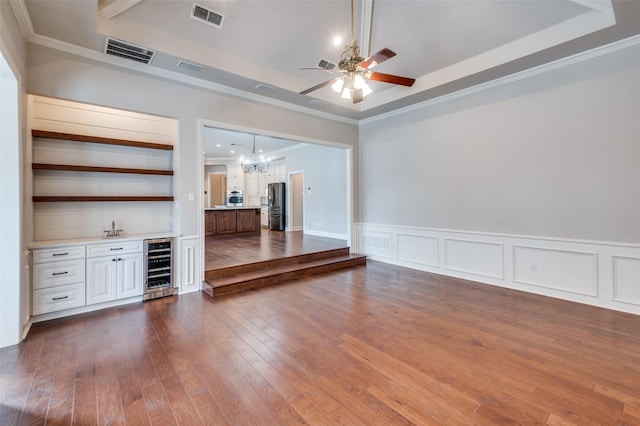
{"points": [[232, 271], [276, 274]]}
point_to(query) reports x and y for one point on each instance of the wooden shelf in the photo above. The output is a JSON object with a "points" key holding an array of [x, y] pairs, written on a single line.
{"points": [[80, 198], [98, 169], [65, 167], [97, 139]]}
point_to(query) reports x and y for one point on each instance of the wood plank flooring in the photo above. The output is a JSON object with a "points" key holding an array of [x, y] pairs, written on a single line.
{"points": [[270, 245], [373, 345]]}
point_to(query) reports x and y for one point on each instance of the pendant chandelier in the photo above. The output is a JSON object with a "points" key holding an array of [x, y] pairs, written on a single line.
{"points": [[254, 165]]}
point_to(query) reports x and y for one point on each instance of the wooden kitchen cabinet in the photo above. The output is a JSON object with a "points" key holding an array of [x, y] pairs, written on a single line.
{"points": [[230, 222], [209, 224], [225, 221]]}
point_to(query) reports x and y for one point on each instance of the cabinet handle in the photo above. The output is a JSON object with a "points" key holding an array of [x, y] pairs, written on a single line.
{"points": [[115, 249], [60, 273], [60, 254], [60, 298], [114, 259]]}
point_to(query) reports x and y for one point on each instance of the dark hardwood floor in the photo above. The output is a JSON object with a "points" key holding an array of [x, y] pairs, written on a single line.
{"points": [[370, 345], [225, 252]]}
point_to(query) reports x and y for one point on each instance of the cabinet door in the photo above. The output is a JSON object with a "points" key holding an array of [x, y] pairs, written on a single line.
{"points": [[101, 279], [246, 220], [225, 221], [264, 217], [129, 276], [252, 186], [262, 184], [210, 223]]}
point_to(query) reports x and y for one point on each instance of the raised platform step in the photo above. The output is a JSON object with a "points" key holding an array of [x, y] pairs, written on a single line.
{"points": [[260, 274]]}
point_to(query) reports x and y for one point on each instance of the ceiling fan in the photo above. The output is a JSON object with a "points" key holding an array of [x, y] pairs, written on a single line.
{"points": [[356, 70]]}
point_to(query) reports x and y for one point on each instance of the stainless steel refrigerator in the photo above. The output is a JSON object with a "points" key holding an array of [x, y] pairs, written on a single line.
{"points": [[277, 212]]}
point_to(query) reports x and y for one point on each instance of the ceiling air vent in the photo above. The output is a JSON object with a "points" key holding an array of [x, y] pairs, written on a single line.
{"points": [[207, 16], [189, 66], [326, 65], [130, 51]]}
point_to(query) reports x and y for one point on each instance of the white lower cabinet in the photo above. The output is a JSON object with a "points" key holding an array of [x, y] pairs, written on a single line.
{"points": [[72, 276], [58, 298], [114, 277], [58, 279]]}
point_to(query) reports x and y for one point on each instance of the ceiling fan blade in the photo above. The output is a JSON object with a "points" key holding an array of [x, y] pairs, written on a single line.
{"points": [[393, 79], [321, 69], [356, 95], [377, 58], [319, 86]]}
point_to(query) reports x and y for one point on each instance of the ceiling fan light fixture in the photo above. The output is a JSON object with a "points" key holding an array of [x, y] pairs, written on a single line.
{"points": [[366, 90], [337, 85], [358, 82], [346, 93]]}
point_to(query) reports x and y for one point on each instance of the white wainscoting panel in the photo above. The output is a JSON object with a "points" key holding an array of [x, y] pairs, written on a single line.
{"points": [[475, 257], [418, 249], [377, 243], [188, 273], [558, 269], [605, 274], [626, 279]]}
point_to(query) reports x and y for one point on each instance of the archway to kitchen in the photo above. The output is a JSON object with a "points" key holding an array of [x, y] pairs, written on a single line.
{"points": [[322, 170]]}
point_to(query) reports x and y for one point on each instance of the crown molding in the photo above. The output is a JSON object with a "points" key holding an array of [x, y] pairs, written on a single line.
{"points": [[24, 19], [550, 66], [115, 8]]}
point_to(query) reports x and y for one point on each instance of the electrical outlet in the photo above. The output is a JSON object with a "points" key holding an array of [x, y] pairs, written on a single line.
{"points": [[534, 268]]}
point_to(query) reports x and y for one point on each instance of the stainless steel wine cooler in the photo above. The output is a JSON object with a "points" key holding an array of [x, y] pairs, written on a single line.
{"points": [[158, 268]]}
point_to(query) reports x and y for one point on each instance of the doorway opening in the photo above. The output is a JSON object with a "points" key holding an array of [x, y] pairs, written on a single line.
{"points": [[297, 201]]}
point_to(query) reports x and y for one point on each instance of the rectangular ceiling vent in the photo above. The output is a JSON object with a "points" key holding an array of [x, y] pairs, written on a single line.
{"points": [[207, 16], [127, 50], [326, 65], [189, 66]]}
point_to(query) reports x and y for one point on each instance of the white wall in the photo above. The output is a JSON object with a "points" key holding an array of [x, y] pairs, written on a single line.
{"points": [[511, 185], [14, 272], [325, 188], [554, 154], [57, 74]]}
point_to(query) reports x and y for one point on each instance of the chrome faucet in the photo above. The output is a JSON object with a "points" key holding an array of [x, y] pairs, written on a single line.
{"points": [[113, 232]]}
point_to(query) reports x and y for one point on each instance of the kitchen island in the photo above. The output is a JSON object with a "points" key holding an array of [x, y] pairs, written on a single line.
{"points": [[232, 221]]}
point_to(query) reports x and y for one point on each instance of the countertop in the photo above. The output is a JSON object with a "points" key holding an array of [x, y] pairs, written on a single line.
{"points": [[234, 207], [96, 240]]}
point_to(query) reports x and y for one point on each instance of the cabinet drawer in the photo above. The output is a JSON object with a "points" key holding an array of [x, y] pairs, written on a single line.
{"points": [[58, 298], [58, 254], [58, 273], [98, 250]]}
